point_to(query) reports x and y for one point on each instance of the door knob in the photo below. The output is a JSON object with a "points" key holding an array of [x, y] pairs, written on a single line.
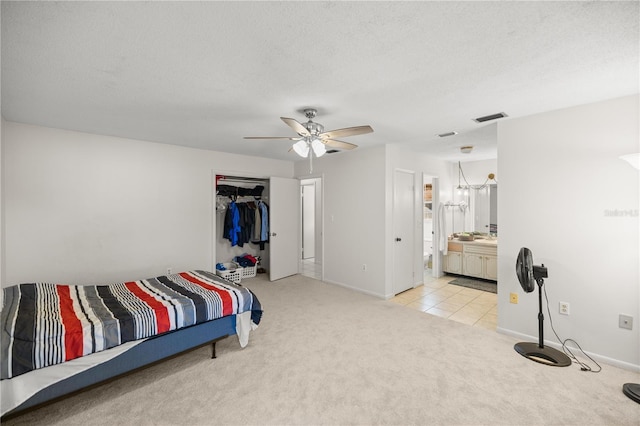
{"points": [[398, 239], [273, 234]]}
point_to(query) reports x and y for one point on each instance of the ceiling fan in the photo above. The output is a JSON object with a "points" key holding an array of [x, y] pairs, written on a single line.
{"points": [[313, 140]]}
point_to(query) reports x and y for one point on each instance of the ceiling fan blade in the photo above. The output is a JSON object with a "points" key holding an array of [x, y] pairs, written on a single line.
{"points": [[339, 144], [296, 126], [349, 131], [272, 137]]}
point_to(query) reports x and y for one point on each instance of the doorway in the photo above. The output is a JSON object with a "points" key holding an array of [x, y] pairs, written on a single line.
{"points": [[311, 227], [281, 197], [427, 226], [432, 231]]}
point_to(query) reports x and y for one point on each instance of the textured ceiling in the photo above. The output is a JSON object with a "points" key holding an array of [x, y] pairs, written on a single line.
{"points": [[206, 74]]}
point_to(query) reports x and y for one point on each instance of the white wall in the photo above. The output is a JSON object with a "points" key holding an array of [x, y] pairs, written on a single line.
{"points": [[1, 180], [559, 176], [354, 217], [83, 208], [358, 219], [2, 251]]}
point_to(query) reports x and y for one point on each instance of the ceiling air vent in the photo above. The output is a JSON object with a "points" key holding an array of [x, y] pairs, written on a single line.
{"points": [[490, 117], [444, 135]]}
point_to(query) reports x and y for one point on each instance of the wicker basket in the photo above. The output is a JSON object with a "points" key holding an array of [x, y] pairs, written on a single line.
{"points": [[233, 272]]}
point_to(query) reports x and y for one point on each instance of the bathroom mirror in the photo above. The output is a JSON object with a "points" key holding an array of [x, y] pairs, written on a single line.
{"points": [[485, 210]]}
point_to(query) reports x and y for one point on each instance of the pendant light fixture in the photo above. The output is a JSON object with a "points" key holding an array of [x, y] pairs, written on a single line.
{"points": [[466, 188]]}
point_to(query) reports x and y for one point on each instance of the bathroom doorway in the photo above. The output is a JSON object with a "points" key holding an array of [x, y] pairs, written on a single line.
{"points": [[427, 225], [431, 232]]}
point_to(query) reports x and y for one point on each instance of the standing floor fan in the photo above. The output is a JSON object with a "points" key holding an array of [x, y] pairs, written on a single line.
{"points": [[528, 275]]}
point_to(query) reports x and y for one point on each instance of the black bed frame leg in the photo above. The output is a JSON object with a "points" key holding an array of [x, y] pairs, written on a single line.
{"points": [[213, 345]]}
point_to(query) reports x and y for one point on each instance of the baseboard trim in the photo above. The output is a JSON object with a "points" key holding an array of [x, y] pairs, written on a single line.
{"points": [[359, 290]]}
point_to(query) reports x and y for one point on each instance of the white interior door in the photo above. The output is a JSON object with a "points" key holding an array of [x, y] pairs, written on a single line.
{"points": [[404, 230], [284, 227]]}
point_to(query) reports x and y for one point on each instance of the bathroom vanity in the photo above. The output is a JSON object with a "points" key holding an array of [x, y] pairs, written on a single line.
{"points": [[477, 258]]}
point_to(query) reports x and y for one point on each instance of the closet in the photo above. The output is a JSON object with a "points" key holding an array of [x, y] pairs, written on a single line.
{"points": [[280, 255], [248, 198]]}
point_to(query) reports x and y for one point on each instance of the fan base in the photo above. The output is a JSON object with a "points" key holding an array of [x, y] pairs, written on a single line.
{"points": [[632, 390], [544, 355]]}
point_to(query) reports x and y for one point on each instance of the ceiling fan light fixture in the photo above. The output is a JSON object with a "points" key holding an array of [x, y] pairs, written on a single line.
{"points": [[318, 147], [313, 140], [301, 148]]}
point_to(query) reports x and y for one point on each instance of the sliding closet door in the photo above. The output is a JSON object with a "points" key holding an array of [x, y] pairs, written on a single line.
{"points": [[284, 227]]}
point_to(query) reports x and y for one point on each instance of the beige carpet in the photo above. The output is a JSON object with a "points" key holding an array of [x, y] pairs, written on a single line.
{"points": [[327, 355]]}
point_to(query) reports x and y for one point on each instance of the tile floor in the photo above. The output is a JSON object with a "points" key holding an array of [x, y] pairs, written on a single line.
{"points": [[309, 268], [466, 305], [438, 297]]}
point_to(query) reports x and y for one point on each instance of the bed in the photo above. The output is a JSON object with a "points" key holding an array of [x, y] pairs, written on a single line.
{"points": [[58, 339]]}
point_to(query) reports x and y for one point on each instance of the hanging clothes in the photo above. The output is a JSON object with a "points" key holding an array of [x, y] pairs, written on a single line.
{"points": [[247, 218], [264, 215], [245, 222], [232, 228], [257, 224], [261, 226]]}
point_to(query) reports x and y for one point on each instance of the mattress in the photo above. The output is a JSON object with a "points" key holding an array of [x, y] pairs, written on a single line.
{"points": [[45, 324]]}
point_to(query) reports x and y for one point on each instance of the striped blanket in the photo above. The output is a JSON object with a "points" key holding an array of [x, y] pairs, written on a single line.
{"points": [[46, 324]]}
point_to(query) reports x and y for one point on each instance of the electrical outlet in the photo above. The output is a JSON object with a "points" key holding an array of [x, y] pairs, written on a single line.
{"points": [[513, 298], [168, 271], [625, 321], [564, 308]]}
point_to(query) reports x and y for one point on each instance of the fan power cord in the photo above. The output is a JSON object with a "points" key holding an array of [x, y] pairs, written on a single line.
{"points": [[566, 349]]}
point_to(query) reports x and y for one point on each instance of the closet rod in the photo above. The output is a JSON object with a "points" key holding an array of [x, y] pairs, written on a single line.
{"points": [[241, 180]]}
